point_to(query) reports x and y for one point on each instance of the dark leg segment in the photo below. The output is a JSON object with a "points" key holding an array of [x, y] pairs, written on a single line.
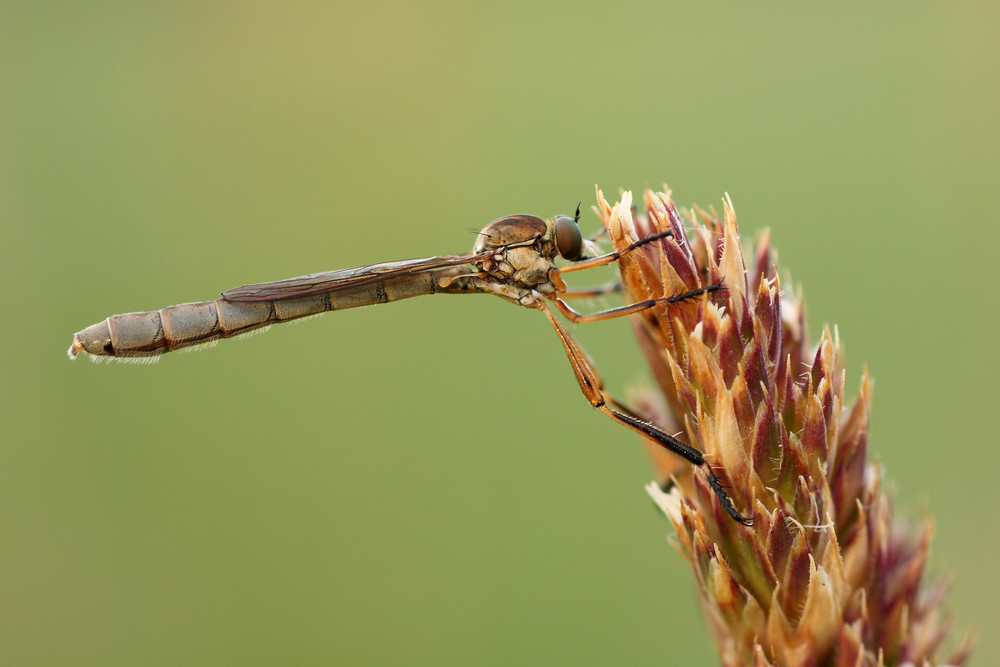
{"points": [[614, 256], [632, 308], [593, 389], [720, 489]]}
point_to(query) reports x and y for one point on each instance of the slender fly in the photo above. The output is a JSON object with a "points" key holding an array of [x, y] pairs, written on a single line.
{"points": [[514, 258]]}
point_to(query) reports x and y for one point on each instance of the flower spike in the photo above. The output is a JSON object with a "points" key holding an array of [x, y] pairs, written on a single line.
{"points": [[820, 573]]}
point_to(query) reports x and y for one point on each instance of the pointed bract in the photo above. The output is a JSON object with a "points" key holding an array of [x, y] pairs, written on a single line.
{"points": [[824, 575]]}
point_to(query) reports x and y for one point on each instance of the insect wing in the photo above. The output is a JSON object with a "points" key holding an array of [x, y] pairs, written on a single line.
{"points": [[333, 281]]}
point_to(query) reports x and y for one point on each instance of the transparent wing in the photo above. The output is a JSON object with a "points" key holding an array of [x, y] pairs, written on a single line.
{"points": [[332, 281]]}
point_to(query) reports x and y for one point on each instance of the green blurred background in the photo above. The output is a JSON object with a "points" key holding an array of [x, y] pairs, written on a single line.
{"points": [[423, 483]]}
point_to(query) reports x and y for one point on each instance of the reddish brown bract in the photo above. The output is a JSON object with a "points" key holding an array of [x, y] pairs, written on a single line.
{"points": [[824, 575]]}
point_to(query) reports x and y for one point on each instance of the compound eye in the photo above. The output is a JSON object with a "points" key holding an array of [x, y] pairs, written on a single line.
{"points": [[569, 239]]}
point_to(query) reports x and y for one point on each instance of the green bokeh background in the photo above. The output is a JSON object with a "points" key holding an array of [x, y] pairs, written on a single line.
{"points": [[423, 483]]}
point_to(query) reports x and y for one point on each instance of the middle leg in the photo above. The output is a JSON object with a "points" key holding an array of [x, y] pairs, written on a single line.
{"points": [[631, 308]]}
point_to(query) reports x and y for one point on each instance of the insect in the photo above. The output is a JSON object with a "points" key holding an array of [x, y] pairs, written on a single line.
{"points": [[514, 258]]}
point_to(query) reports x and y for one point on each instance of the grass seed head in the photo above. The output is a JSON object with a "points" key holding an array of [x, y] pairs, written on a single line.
{"points": [[825, 574]]}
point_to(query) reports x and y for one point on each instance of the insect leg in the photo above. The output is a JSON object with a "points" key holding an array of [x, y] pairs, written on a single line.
{"points": [[614, 256], [632, 308], [612, 287], [593, 389]]}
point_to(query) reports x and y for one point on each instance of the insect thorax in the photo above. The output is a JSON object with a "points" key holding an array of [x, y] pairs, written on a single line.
{"points": [[523, 252]]}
